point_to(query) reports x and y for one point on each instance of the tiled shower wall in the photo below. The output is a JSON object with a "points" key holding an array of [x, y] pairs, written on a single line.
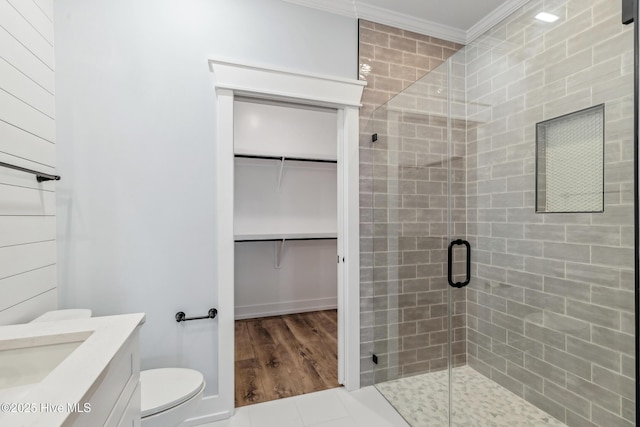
{"points": [[550, 308], [403, 206]]}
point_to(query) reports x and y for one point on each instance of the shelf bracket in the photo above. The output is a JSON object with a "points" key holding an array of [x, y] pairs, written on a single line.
{"points": [[279, 252], [280, 174]]}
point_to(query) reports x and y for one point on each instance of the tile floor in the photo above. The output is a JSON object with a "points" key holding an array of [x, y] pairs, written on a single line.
{"points": [[477, 401], [329, 408]]}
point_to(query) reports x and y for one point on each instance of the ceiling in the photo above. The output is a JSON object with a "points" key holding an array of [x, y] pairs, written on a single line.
{"points": [[456, 20]]}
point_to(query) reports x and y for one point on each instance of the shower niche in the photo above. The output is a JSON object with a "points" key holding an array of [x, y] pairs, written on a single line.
{"points": [[570, 162]]}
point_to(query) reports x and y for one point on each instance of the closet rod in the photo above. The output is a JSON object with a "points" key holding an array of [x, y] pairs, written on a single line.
{"points": [[287, 239], [40, 176], [297, 159]]}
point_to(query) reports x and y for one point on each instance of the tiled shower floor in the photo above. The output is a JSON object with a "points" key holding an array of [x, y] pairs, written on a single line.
{"points": [[476, 401]]}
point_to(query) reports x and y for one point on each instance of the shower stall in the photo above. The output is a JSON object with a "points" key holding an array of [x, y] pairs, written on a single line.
{"points": [[502, 227]]}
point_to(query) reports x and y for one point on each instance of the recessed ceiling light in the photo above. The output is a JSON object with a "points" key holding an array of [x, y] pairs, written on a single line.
{"points": [[546, 17]]}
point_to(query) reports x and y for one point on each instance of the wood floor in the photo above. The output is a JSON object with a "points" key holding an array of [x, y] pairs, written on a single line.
{"points": [[285, 356]]}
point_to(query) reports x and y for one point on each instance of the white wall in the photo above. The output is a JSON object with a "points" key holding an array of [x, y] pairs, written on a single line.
{"points": [[27, 139], [307, 279], [136, 212]]}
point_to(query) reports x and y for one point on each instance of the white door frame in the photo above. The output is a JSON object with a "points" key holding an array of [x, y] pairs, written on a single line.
{"points": [[237, 79]]}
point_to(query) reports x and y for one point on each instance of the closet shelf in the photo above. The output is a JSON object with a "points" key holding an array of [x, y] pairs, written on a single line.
{"points": [[271, 237], [297, 158]]}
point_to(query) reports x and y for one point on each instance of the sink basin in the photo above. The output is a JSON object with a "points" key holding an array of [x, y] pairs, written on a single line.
{"points": [[28, 362]]}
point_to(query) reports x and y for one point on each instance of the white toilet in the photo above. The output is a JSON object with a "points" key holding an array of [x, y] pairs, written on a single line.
{"points": [[169, 395]]}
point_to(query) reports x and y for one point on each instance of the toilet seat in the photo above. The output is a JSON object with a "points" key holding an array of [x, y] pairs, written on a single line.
{"points": [[166, 388]]}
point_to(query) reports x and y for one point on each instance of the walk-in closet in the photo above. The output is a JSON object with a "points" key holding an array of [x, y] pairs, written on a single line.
{"points": [[286, 234]]}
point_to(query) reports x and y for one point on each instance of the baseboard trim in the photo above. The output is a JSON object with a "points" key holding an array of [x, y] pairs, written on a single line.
{"points": [[289, 307]]}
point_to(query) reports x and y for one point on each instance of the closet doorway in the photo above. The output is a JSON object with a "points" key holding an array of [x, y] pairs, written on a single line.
{"points": [[286, 243], [236, 80]]}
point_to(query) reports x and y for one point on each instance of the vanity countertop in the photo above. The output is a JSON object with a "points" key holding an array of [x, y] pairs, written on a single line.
{"points": [[94, 343]]}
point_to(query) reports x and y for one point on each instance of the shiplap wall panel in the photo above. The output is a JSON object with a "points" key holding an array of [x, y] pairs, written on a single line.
{"points": [[18, 230], [25, 33], [28, 284], [36, 17], [22, 258], [46, 6], [21, 179], [25, 89], [17, 55], [22, 144], [27, 118], [22, 287], [24, 312], [26, 201]]}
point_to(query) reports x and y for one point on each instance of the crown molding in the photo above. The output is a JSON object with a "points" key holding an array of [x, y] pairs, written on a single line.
{"points": [[410, 23], [493, 18], [357, 9], [339, 7]]}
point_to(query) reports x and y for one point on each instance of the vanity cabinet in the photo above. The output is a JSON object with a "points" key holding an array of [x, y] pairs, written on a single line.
{"points": [[114, 398]]}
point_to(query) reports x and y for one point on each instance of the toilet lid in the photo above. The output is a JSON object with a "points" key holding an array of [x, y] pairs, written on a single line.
{"points": [[165, 388]]}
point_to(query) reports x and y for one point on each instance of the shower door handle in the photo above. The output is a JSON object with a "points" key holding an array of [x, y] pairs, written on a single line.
{"points": [[450, 262]]}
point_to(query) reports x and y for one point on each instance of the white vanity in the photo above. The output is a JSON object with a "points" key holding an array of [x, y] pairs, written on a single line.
{"points": [[80, 372]]}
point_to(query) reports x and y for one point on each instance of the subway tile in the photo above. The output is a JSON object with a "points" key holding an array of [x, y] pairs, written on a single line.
{"points": [[508, 382], [522, 279], [575, 420], [611, 256], [614, 215], [567, 288], [566, 252], [526, 377], [612, 47], [614, 382], [545, 301], [508, 322], [568, 66], [507, 261], [545, 335], [603, 417], [492, 359], [546, 404], [523, 215], [544, 267], [569, 363], [491, 244], [594, 314], [545, 232], [604, 276], [569, 400], [594, 235], [545, 370], [478, 338], [613, 340], [594, 353], [593, 393], [524, 247], [629, 409], [575, 101], [543, 94], [612, 298], [507, 200], [567, 325], [507, 169]]}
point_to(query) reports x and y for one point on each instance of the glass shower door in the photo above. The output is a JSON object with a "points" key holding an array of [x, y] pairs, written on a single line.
{"points": [[418, 209], [522, 144], [550, 307]]}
